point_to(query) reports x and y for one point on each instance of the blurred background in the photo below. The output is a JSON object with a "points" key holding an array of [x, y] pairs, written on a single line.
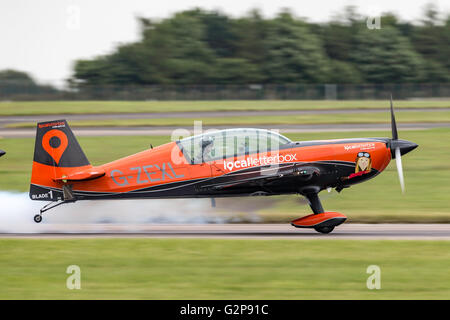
{"points": [[76, 50], [127, 74]]}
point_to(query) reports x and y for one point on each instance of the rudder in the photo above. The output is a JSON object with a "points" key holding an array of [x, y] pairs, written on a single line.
{"points": [[57, 153], [57, 146]]}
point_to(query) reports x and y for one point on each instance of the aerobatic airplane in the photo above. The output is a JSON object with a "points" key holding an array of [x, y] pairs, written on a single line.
{"points": [[225, 163]]}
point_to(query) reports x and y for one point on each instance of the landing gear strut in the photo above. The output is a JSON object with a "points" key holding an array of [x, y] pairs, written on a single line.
{"points": [[38, 218], [68, 197], [314, 202]]}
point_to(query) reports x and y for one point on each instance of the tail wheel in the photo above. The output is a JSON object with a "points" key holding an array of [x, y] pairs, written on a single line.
{"points": [[324, 229], [37, 218]]}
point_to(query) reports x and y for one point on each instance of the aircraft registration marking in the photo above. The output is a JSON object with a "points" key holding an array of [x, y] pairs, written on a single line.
{"points": [[144, 174]]}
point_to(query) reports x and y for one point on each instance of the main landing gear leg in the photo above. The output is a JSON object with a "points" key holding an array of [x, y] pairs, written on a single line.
{"points": [[51, 205], [314, 202], [316, 206]]}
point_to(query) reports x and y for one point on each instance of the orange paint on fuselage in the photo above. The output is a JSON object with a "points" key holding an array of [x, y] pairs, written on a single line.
{"points": [[166, 164]]}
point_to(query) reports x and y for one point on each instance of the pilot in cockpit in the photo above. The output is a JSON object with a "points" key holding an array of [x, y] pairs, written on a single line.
{"points": [[206, 146]]}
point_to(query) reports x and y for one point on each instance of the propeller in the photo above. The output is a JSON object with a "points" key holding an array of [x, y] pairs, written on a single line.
{"points": [[399, 148], [398, 156], [398, 162], [393, 123]]}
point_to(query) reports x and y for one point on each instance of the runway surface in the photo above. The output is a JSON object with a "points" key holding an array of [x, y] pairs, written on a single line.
{"points": [[245, 231], [201, 114], [163, 131]]}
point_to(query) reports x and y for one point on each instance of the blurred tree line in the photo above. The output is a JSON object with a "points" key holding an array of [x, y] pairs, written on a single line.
{"points": [[202, 47], [17, 83]]}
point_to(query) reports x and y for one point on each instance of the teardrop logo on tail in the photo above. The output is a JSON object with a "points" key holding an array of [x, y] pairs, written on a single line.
{"points": [[55, 143]]}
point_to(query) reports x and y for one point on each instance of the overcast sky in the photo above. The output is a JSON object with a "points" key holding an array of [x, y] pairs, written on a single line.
{"points": [[44, 37]]}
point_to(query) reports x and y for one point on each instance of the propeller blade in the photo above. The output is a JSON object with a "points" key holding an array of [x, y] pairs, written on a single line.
{"points": [[398, 161], [393, 124]]}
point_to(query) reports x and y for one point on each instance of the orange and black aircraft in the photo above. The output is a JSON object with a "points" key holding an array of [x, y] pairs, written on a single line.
{"points": [[224, 163]]}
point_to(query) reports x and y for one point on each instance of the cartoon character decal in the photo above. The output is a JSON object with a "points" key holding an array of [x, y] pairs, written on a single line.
{"points": [[363, 165]]}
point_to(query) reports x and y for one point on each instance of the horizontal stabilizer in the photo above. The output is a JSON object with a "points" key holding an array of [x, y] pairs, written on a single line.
{"points": [[93, 173]]}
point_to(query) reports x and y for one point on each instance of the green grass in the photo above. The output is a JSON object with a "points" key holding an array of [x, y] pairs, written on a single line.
{"points": [[427, 176], [79, 107], [354, 118], [223, 269]]}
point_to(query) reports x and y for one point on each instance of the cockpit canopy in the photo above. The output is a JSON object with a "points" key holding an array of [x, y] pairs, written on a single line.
{"points": [[222, 144]]}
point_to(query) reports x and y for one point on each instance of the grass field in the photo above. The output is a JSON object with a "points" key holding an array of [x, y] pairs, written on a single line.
{"points": [[427, 176], [78, 107], [354, 118], [223, 269]]}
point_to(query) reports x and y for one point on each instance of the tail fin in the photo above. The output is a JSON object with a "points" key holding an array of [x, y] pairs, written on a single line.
{"points": [[57, 154]]}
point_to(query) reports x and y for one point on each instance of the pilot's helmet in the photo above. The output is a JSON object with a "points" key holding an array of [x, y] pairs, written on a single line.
{"points": [[206, 142]]}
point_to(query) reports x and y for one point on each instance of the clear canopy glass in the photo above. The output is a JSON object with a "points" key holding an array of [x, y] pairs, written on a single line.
{"points": [[222, 144]]}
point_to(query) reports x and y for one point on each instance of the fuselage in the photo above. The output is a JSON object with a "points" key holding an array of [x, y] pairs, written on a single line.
{"points": [[167, 172]]}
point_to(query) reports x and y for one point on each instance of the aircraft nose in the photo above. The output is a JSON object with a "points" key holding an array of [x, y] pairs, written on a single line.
{"points": [[405, 146]]}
